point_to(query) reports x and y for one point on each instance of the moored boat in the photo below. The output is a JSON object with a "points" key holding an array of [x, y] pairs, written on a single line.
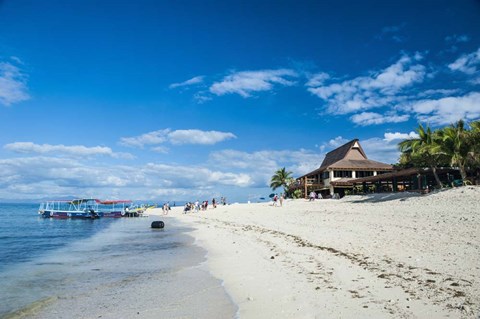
{"points": [[85, 208], [135, 211]]}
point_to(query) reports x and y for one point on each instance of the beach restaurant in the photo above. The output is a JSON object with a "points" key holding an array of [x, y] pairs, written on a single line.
{"points": [[340, 166], [347, 170], [410, 179]]}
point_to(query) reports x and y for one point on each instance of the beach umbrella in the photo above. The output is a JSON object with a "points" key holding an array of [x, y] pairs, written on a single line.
{"points": [[271, 195]]}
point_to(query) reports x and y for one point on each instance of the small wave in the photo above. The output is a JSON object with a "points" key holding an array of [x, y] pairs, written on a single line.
{"points": [[49, 263]]}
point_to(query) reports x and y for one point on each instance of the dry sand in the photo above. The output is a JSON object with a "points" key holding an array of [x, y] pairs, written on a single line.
{"points": [[380, 256]]}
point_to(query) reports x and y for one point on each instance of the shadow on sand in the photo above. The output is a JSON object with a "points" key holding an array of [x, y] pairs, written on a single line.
{"points": [[382, 197]]}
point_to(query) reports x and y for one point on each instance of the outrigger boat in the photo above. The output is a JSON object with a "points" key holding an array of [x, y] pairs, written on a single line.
{"points": [[86, 208]]}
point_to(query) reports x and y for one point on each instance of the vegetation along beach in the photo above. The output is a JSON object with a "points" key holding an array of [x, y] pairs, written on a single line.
{"points": [[239, 159]]}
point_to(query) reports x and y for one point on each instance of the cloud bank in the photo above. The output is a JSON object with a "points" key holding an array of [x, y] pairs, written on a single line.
{"points": [[378, 89], [74, 150]]}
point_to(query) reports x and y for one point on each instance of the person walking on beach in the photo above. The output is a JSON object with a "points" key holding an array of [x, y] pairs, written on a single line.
{"points": [[281, 200], [214, 203], [313, 195], [275, 198], [197, 206]]}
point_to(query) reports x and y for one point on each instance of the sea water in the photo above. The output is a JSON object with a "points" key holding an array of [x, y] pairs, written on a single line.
{"points": [[107, 268]]}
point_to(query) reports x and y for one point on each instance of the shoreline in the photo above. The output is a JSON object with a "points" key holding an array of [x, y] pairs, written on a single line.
{"points": [[381, 256]]}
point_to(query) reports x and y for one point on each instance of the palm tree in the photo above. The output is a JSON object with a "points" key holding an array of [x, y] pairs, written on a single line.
{"points": [[474, 138], [457, 145], [423, 149], [280, 178]]}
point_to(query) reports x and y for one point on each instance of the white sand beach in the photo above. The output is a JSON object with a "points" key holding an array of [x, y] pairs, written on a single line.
{"points": [[380, 256]]}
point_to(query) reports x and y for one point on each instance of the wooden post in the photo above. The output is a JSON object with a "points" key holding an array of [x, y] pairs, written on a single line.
{"points": [[305, 183]]}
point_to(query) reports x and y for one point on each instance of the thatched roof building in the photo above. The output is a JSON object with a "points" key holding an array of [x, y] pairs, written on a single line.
{"points": [[346, 162]]}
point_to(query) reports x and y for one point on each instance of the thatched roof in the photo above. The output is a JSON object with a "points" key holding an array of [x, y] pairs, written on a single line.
{"points": [[341, 152], [349, 156]]}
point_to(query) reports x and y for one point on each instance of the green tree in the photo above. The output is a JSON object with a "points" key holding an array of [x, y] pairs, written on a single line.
{"points": [[281, 178], [423, 149], [457, 145], [474, 138]]}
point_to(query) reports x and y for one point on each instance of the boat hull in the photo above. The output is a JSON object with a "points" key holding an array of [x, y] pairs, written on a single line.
{"points": [[80, 215]]}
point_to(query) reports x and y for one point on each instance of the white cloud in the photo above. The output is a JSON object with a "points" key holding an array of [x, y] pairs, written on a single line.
{"points": [[176, 137], [467, 63], [371, 118], [155, 137], [337, 141], [74, 150], [13, 88], [448, 110], [192, 81], [317, 79], [246, 82], [388, 137], [376, 90], [198, 137], [160, 149], [333, 143]]}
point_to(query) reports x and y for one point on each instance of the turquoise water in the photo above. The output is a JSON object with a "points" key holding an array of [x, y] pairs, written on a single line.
{"points": [[56, 265], [25, 236]]}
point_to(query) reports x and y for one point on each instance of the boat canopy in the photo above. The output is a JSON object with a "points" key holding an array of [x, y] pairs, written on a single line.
{"points": [[110, 202], [81, 201], [93, 200]]}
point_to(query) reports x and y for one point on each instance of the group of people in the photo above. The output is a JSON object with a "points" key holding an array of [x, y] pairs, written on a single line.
{"points": [[196, 207]]}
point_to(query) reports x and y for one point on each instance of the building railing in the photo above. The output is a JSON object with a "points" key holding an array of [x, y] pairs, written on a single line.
{"points": [[311, 182]]}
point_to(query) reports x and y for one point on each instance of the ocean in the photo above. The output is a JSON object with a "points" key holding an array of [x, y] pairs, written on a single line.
{"points": [[103, 268]]}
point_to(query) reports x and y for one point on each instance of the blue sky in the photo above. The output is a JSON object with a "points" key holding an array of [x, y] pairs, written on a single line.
{"points": [[186, 100]]}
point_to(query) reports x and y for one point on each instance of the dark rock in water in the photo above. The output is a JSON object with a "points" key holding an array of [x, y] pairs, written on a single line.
{"points": [[158, 224]]}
